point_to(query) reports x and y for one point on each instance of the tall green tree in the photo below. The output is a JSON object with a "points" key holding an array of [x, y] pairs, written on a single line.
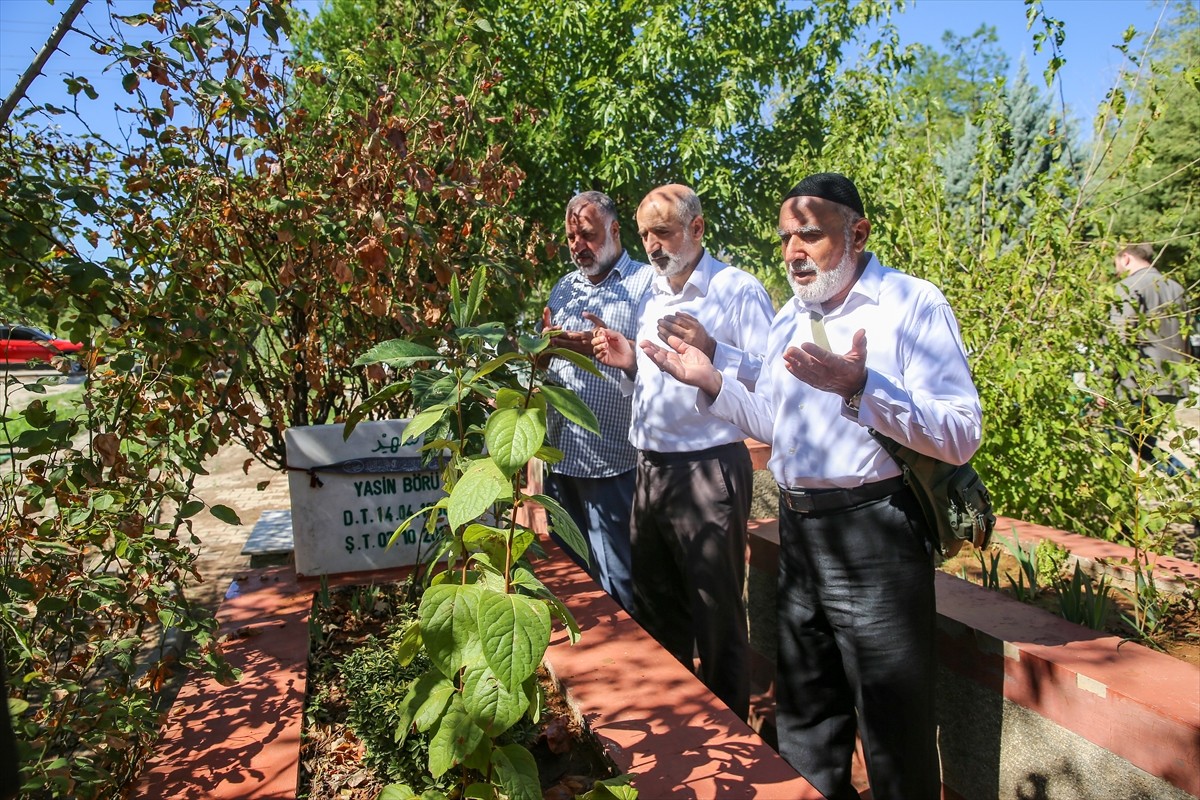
{"points": [[1150, 172], [621, 97], [946, 86], [992, 165]]}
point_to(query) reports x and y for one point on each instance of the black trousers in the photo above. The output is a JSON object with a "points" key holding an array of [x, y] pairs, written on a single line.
{"points": [[688, 534], [856, 648]]}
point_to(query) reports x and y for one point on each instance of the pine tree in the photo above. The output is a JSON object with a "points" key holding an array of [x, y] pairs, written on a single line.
{"points": [[991, 167]]}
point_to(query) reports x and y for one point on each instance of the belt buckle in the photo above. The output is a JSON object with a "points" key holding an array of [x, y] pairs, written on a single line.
{"points": [[797, 501]]}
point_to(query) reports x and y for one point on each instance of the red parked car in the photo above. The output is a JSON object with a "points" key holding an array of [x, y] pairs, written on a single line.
{"points": [[20, 344]]}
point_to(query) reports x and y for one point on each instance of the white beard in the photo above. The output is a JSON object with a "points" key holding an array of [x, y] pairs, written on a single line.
{"points": [[675, 263], [606, 256], [827, 283]]}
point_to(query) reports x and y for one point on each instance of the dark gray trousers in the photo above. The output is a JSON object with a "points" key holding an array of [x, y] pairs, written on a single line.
{"points": [[688, 534], [856, 648]]}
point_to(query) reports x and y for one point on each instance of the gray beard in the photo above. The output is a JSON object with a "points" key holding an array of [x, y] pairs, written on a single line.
{"points": [[605, 259], [827, 283]]}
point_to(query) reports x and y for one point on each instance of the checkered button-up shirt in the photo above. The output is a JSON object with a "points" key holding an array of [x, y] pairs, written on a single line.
{"points": [[615, 300]]}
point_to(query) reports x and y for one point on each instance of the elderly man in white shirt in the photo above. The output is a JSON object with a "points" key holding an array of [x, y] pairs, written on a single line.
{"points": [[856, 601], [694, 477]]}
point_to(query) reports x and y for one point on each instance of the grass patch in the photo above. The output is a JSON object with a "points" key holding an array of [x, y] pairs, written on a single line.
{"points": [[65, 404]]}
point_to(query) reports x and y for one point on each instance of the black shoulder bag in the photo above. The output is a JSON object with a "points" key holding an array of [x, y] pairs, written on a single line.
{"points": [[953, 498]]}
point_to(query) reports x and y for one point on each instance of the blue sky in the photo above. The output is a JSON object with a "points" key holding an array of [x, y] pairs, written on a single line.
{"points": [[1093, 27]]}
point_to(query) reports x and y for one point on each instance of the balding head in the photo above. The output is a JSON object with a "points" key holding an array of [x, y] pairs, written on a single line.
{"points": [[684, 203], [671, 225]]}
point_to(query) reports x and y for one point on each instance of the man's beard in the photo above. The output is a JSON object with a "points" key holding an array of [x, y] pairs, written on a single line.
{"points": [[827, 283], [606, 256], [675, 263]]}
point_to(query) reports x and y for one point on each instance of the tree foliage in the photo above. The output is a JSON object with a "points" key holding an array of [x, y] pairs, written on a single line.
{"points": [[991, 167], [622, 97], [946, 87], [226, 260], [1148, 171]]}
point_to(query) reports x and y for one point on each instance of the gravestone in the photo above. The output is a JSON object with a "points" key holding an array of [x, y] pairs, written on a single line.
{"points": [[348, 497]]}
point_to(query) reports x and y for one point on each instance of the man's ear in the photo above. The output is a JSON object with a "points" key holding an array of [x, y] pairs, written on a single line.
{"points": [[697, 226], [861, 232], [615, 230]]}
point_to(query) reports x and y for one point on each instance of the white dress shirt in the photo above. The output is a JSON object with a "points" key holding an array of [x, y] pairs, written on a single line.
{"points": [[919, 389], [736, 311]]}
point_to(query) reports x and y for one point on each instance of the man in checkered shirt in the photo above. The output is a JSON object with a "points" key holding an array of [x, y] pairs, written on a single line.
{"points": [[595, 479]]}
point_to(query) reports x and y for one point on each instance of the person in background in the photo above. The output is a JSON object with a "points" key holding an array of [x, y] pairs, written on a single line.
{"points": [[595, 479], [1150, 318], [694, 478], [861, 346]]}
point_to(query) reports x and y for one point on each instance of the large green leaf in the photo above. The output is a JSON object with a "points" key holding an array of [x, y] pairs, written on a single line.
{"points": [[488, 540], [570, 406], [481, 485], [522, 538], [517, 773], [475, 295], [448, 614], [578, 359], [454, 740], [562, 524], [509, 398], [517, 632], [397, 353], [495, 364], [426, 715], [491, 705], [423, 421], [513, 436], [420, 696], [524, 579]]}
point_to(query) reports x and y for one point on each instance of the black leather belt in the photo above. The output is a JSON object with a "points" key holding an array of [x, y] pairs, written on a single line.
{"points": [[819, 501]]}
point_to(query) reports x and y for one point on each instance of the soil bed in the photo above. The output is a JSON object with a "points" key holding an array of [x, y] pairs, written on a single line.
{"points": [[1179, 636], [334, 757]]}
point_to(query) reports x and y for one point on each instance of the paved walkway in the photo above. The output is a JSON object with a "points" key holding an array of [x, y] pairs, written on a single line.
{"points": [[230, 484]]}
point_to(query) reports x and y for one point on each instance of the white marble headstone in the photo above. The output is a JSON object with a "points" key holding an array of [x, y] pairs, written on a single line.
{"points": [[348, 497]]}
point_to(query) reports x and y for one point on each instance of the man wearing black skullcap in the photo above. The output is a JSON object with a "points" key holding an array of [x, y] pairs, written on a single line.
{"points": [[855, 602]]}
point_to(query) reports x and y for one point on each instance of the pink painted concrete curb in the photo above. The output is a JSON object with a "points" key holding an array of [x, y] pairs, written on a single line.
{"points": [[655, 719]]}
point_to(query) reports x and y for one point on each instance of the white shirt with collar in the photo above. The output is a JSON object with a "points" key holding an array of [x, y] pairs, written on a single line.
{"points": [[736, 311], [919, 389]]}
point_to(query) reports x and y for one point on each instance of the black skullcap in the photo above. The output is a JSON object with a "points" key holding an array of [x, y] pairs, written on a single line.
{"points": [[829, 186]]}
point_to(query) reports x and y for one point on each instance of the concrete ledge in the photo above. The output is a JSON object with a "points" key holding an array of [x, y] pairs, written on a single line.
{"points": [[1031, 705], [659, 722], [656, 720]]}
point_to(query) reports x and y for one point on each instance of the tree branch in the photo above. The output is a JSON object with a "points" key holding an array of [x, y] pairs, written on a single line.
{"points": [[35, 69]]}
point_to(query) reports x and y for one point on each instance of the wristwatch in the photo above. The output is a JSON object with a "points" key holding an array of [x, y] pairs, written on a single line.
{"points": [[853, 400]]}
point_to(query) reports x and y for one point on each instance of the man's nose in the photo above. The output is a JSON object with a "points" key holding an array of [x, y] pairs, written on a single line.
{"points": [[793, 249]]}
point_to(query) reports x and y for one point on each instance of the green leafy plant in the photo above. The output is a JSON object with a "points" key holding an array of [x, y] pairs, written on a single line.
{"points": [[990, 571], [1050, 557], [1083, 601], [1028, 571], [1153, 608], [484, 620]]}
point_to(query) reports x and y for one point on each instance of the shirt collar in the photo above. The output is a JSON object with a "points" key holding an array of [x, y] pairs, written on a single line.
{"points": [[866, 289], [618, 269]]}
